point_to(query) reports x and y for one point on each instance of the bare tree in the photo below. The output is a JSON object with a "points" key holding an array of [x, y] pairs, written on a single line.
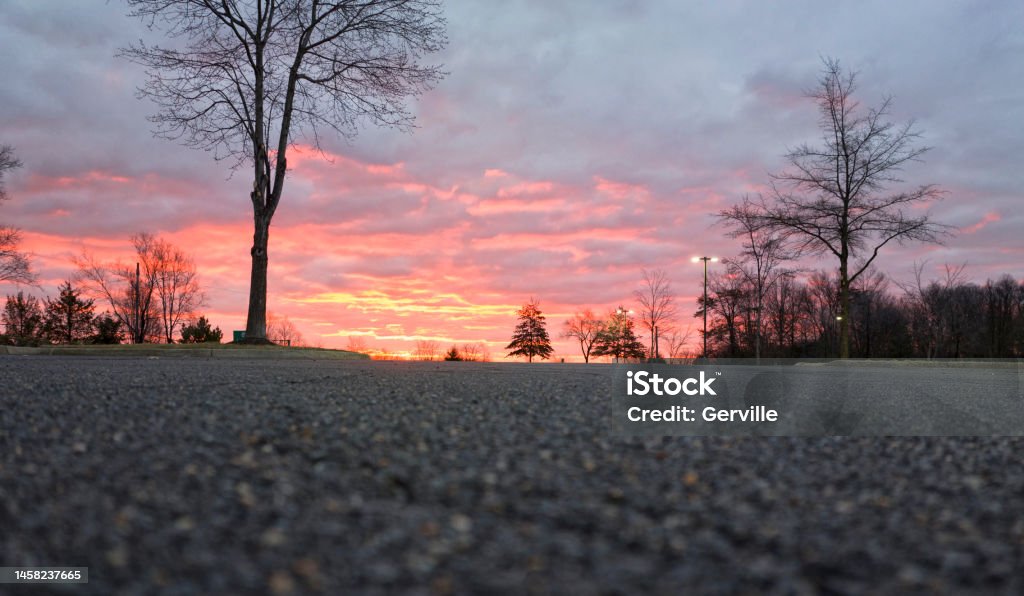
{"points": [[677, 341], [14, 264], [150, 295], [834, 199], [357, 343], [760, 262], [8, 162], [1004, 299], [427, 349], [475, 352], [128, 290], [730, 300], [280, 330], [250, 78], [175, 281], [657, 306], [584, 327]]}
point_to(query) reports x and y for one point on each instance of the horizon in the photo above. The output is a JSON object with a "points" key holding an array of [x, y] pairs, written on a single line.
{"points": [[552, 163]]}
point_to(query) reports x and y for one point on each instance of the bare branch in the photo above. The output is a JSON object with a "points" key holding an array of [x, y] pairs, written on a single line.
{"points": [[657, 306], [836, 198], [249, 79]]}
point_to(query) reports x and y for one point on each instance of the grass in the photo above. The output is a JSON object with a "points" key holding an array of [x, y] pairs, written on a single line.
{"points": [[211, 350]]}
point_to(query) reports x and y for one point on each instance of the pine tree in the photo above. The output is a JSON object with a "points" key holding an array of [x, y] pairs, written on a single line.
{"points": [[531, 335], [69, 318], [201, 332], [23, 319], [108, 330], [618, 339]]}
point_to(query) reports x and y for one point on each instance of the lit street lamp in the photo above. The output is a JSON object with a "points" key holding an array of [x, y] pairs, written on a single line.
{"points": [[713, 260]]}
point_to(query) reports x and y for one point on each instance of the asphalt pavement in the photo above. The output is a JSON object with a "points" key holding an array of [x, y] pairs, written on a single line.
{"points": [[206, 476]]}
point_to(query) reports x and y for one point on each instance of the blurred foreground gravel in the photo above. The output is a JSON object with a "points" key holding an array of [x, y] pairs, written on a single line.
{"points": [[194, 476]]}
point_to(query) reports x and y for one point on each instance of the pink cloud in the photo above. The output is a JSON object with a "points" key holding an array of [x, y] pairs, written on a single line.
{"points": [[990, 217], [526, 188], [381, 252], [620, 190]]}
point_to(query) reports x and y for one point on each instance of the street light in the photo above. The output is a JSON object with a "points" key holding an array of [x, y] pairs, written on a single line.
{"points": [[713, 260]]}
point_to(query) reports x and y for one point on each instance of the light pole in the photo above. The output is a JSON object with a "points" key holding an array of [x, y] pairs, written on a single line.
{"points": [[704, 354], [839, 321]]}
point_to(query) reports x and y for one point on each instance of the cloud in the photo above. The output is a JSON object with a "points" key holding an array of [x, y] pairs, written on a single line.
{"points": [[989, 217], [570, 147]]}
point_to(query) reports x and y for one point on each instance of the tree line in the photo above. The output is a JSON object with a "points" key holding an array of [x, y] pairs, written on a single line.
{"points": [[153, 299], [613, 336], [842, 199], [797, 314], [71, 318], [943, 318]]}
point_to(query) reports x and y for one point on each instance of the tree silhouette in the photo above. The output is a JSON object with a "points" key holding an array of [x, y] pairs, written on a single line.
{"points": [[108, 330], [14, 264], [426, 349], [474, 352], [201, 332], [618, 339], [584, 327], [23, 319], [176, 281], [249, 79], [834, 199], [150, 296], [760, 262], [657, 306], [280, 330], [530, 337], [69, 318]]}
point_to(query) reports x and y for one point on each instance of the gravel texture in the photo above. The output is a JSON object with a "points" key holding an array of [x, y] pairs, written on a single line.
{"points": [[200, 476]]}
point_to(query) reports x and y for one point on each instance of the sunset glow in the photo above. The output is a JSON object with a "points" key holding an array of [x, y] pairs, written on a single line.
{"points": [[558, 179]]}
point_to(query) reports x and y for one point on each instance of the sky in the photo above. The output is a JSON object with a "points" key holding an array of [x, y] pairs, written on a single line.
{"points": [[571, 145]]}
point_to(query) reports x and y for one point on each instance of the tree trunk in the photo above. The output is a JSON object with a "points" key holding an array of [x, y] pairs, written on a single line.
{"points": [[757, 336], [844, 312], [256, 323]]}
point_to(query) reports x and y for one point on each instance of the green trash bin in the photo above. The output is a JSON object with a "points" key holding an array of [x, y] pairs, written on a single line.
{"points": [[238, 335]]}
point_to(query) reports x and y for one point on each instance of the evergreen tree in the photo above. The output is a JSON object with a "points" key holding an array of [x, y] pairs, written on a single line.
{"points": [[108, 330], [69, 318], [531, 335], [201, 332], [618, 339], [453, 355], [23, 319]]}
